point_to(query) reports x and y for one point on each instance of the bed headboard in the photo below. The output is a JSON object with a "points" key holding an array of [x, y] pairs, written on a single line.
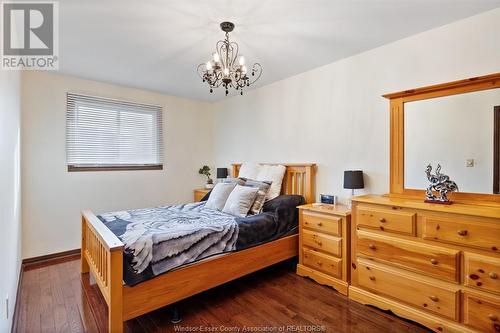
{"points": [[300, 178]]}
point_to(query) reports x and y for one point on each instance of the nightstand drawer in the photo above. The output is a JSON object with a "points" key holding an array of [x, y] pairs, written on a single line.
{"points": [[322, 222], [323, 262], [433, 260], [482, 272], [409, 288], [322, 242], [462, 232], [386, 219], [482, 313]]}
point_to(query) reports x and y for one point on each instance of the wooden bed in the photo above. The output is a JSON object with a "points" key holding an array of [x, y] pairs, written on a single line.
{"points": [[102, 255]]}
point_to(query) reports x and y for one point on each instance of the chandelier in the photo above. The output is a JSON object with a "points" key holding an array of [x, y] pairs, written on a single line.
{"points": [[227, 68]]}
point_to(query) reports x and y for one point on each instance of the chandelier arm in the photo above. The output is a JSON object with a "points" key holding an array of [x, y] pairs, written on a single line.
{"points": [[234, 58], [201, 72], [217, 84], [240, 81], [218, 48], [257, 71]]}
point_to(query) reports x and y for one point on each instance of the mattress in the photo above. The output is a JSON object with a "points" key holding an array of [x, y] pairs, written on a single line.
{"points": [[195, 234]]}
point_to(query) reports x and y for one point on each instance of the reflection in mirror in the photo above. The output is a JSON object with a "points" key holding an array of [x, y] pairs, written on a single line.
{"points": [[457, 132]]}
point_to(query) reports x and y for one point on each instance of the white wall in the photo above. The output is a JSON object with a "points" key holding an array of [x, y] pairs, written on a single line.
{"points": [[335, 116], [464, 122], [53, 197], [10, 197]]}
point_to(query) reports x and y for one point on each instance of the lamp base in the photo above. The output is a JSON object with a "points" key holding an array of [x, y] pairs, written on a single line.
{"points": [[439, 202]]}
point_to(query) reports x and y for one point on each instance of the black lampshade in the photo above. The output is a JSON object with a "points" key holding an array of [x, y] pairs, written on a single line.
{"points": [[221, 173], [353, 179]]}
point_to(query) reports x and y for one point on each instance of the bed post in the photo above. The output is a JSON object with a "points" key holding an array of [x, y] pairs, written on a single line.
{"points": [[102, 255], [236, 169], [84, 265], [309, 192], [115, 306]]}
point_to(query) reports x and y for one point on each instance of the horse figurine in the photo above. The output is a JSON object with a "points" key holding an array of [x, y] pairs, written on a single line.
{"points": [[440, 183]]}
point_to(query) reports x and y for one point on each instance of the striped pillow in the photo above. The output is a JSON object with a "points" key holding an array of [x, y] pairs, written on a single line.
{"points": [[264, 187]]}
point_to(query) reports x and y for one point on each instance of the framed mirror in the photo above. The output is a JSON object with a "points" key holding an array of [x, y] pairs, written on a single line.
{"points": [[456, 125]]}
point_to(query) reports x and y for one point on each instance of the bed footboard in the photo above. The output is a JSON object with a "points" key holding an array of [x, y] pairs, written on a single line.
{"points": [[102, 255]]}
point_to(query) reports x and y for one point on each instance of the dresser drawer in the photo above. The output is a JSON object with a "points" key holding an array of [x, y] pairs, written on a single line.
{"points": [[322, 222], [482, 313], [323, 262], [433, 296], [431, 260], [482, 272], [462, 232], [322, 242], [386, 219]]}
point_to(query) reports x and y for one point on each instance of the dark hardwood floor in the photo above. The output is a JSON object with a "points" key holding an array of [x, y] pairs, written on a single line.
{"points": [[53, 299]]}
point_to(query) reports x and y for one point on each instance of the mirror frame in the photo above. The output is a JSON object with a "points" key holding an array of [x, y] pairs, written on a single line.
{"points": [[397, 102]]}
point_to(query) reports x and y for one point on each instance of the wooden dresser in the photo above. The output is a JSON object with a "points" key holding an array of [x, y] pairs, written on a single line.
{"points": [[438, 265], [324, 244]]}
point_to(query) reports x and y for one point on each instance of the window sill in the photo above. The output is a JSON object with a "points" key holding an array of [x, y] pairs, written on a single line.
{"points": [[79, 168]]}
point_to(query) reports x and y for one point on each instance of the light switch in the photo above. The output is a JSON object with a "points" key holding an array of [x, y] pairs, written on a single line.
{"points": [[470, 163]]}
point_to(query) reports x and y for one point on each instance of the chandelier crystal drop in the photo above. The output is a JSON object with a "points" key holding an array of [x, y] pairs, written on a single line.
{"points": [[227, 68]]}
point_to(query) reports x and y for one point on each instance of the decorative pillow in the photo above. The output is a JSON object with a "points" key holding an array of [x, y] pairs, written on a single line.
{"points": [[219, 194], [237, 181], [263, 187], [274, 174], [249, 170], [240, 200]]}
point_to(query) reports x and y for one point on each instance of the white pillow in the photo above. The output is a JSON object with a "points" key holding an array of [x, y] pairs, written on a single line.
{"points": [[249, 170], [240, 200], [219, 195], [274, 174]]}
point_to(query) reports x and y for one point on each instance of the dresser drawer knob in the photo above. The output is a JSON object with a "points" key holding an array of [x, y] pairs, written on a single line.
{"points": [[320, 224], [320, 263], [492, 317], [382, 220], [493, 275], [434, 298], [434, 261], [462, 232], [371, 246], [318, 242], [372, 278]]}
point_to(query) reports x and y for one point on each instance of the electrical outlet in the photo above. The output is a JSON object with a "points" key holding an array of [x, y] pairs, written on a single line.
{"points": [[469, 163], [7, 307]]}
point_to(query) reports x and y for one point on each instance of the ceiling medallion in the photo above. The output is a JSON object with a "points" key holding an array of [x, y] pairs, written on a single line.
{"points": [[227, 68]]}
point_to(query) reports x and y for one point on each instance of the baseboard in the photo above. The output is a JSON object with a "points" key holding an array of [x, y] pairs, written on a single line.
{"points": [[35, 262], [51, 258], [15, 315]]}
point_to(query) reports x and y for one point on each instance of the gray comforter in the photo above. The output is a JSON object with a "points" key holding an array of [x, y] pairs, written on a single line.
{"points": [[171, 236]]}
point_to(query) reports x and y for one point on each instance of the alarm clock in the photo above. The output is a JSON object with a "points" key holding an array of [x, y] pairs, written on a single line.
{"points": [[328, 199]]}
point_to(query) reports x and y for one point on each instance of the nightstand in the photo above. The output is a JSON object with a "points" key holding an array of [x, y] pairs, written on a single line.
{"points": [[199, 193], [324, 237]]}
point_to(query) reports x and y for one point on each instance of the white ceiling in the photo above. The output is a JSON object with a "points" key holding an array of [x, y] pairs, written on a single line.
{"points": [[157, 44]]}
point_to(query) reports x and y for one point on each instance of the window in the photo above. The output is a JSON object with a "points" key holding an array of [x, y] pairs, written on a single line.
{"points": [[106, 134]]}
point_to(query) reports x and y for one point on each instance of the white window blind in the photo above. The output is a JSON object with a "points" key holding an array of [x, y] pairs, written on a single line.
{"points": [[112, 134]]}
